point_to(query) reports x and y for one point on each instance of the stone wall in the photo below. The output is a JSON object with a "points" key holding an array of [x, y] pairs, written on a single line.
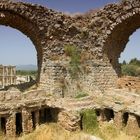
{"points": [[100, 37], [23, 112], [27, 119]]}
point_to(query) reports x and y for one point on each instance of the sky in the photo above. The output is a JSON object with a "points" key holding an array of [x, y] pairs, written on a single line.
{"points": [[17, 49]]}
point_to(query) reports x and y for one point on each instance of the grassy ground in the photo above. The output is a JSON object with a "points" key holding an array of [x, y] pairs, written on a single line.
{"points": [[53, 132], [107, 131]]}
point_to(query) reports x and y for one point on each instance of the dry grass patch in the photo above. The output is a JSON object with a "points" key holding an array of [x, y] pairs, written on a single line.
{"points": [[106, 131], [53, 132]]}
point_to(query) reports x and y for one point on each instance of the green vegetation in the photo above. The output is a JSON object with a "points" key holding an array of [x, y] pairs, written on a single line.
{"points": [[74, 65], [132, 68], [81, 94], [25, 72], [89, 121]]}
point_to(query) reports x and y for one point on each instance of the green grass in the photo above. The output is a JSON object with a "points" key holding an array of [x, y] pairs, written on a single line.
{"points": [[89, 121], [81, 95]]}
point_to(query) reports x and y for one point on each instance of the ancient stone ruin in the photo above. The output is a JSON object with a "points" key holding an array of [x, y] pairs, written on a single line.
{"points": [[7, 75], [98, 38]]}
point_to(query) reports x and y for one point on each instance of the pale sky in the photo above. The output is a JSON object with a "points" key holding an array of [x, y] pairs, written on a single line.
{"points": [[16, 48]]}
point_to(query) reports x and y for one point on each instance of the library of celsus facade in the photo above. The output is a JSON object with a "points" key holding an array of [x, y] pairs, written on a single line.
{"points": [[7, 75]]}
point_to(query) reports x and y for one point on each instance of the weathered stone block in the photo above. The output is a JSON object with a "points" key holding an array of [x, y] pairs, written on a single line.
{"points": [[118, 119], [27, 123], [69, 121], [133, 125], [11, 126]]}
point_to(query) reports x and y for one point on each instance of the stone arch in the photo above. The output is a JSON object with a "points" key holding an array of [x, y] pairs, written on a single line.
{"points": [[18, 16], [116, 41]]}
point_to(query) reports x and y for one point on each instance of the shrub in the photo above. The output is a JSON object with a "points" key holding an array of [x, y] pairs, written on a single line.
{"points": [[74, 65], [129, 70], [138, 71], [70, 50], [132, 68], [89, 121], [135, 62]]}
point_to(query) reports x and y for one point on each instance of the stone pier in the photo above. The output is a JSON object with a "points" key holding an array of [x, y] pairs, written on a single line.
{"points": [[11, 125], [27, 122], [118, 119]]}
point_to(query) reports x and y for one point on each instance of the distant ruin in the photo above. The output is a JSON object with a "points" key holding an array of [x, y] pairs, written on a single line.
{"points": [[7, 76], [99, 38]]}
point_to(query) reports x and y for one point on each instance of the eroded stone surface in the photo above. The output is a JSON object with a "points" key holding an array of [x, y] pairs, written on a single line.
{"points": [[99, 35]]}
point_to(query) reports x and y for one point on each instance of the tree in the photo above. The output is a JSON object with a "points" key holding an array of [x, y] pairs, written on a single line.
{"points": [[124, 62], [134, 61]]}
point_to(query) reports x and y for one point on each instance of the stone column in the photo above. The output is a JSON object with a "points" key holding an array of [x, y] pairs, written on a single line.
{"points": [[133, 127], [10, 126], [36, 118], [11, 75], [118, 120], [27, 123]]}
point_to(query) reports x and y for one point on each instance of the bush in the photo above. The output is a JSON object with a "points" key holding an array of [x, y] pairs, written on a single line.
{"points": [[89, 121], [135, 62], [138, 71], [74, 65], [129, 70], [132, 68]]}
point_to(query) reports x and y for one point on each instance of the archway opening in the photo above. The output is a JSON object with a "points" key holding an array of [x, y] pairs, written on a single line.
{"points": [[130, 58], [3, 125], [15, 18], [125, 118], [18, 124], [138, 120], [116, 43], [33, 119], [118, 39], [18, 59], [48, 115], [109, 114]]}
